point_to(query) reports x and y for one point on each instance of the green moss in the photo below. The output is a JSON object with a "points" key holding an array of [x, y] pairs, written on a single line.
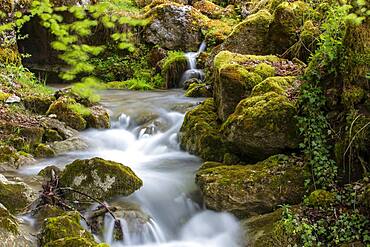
{"points": [[199, 133], [264, 70], [320, 198], [38, 104], [278, 85], [9, 56], [65, 226], [4, 96], [52, 135], [79, 109], [100, 178], [245, 190], [44, 151], [262, 126], [198, 90], [72, 242], [173, 67], [47, 171], [352, 96], [7, 221]]}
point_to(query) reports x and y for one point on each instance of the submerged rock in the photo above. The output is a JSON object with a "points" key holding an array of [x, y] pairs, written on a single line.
{"points": [[15, 196], [199, 133], [247, 190], [174, 26], [99, 178], [262, 126]]}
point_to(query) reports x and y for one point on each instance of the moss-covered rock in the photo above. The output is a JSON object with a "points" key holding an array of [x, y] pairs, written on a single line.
{"points": [[320, 198], [72, 242], [198, 90], [235, 76], [208, 8], [66, 111], [174, 26], [251, 35], [262, 126], [9, 55], [44, 151], [60, 227], [100, 179], [173, 66], [277, 84], [247, 190], [15, 196], [47, 172], [38, 104], [199, 133], [99, 118], [7, 221], [52, 135]]}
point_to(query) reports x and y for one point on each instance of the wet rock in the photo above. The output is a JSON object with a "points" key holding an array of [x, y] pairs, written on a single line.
{"points": [[101, 179], [48, 171], [200, 134], [187, 83], [44, 151], [247, 190], [15, 196], [199, 90], [60, 230], [99, 118], [251, 35], [52, 135], [51, 125], [10, 234], [174, 27], [71, 144], [174, 66], [9, 157], [262, 126]]}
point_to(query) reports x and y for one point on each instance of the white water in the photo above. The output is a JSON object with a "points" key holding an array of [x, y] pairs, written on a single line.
{"points": [[168, 194], [192, 71]]}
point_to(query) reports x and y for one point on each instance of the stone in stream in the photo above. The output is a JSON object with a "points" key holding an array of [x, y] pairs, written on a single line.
{"points": [[15, 196], [248, 190], [99, 178]]}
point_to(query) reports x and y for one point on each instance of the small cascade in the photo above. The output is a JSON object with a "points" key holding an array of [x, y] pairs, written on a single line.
{"points": [[192, 71]]}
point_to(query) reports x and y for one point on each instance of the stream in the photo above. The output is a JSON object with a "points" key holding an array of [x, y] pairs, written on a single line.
{"points": [[143, 136]]}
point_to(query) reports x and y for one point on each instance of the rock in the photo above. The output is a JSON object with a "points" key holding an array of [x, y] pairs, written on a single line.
{"points": [[44, 151], [10, 234], [52, 135], [288, 18], [277, 84], [174, 27], [51, 125], [38, 104], [15, 196], [13, 99], [320, 199], [199, 90], [251, 35], [174, 65], [247, 190], [65, 228], [187, 83], [199, 133], [100, 179], [99, 118], [66, 112], [47, 211], [267, 230], [208, 8], [262, 126], [235, 76], [71, 144], [47, 171]]}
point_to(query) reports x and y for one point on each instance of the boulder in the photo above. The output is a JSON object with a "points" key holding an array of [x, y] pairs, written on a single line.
{"points": [[262, 126], [69, 145], [277, 84], [10, 234], [247, 190], [62, 130], [200, 135], [15, 196], [235, 76], [251, 35], [199, 90], [99, 178], [174, 65], [38, 104], [44, 151], [99, 118], [208, 8], [174, 27]]}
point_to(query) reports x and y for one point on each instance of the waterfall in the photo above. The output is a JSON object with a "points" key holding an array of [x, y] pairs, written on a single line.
{"points": [[192, 71]]}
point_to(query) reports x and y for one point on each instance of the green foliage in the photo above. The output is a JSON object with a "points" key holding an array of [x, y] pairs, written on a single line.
{"points": [[312, 122], [86, 89], [80, 109], [173, 57]]}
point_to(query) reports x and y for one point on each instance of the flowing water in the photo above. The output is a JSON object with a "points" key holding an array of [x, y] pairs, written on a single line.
{"points": [[174, 217], [193, 71]]}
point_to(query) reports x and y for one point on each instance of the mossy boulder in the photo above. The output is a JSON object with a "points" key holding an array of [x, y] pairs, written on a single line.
{"points": [[174, 27], [320, 198], [44, 151], [199, 133], [288, 19], [262, 126], [99, 178], [15, 196], [73, 242], [251, 35], [48, 171], [52, 135], [208, 8], [99, 118], [247, 190], [277, 84], [61, 227], [66, 111], [235, 76], [173, 66], [198, 90]]}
